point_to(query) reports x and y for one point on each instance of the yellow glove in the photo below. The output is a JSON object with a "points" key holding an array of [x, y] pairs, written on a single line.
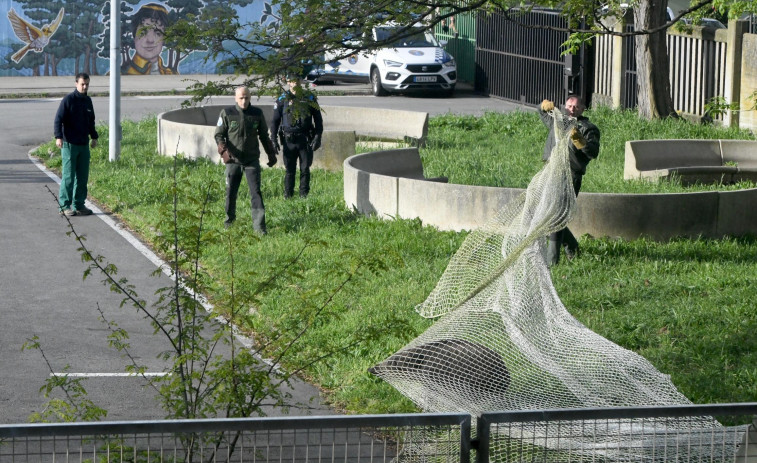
{"points": [[578, 140], [547, 106]]}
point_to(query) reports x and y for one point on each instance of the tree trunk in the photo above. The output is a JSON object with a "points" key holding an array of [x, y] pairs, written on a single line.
{"points": [[652, 67]]}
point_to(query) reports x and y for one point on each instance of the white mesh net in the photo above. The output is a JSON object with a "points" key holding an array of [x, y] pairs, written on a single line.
{"points": [[504, 340]]}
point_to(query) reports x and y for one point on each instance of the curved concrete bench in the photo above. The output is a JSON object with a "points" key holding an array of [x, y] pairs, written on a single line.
{"points": [[190, 131], [389, 184], [693, 161]]}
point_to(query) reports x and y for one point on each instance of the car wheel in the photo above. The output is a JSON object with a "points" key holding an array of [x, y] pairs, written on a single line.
{"points": [[450, 92], [376, 87]]}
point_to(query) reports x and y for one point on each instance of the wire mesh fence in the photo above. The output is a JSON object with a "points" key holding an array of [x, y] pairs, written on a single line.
{"points": [[705, 433], [697, 433], [379, 438]]}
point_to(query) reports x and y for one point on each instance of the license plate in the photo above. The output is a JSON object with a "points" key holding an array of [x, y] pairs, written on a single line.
{"points": [[424, 79]]}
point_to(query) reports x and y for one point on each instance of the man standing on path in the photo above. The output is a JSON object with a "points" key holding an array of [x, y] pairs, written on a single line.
{"points": [[583, 147], [297, 117], [73, 127], [237, 133]]}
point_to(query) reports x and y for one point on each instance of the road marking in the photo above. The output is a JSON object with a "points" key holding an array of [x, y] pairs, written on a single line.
{"points": [[107, 375]]}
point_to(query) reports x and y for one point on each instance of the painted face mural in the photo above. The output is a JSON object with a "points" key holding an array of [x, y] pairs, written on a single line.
{"points": [[54, 37], [148, 26]]}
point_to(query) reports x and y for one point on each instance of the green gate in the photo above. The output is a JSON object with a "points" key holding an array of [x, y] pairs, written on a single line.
{"points": [[460, 33]]}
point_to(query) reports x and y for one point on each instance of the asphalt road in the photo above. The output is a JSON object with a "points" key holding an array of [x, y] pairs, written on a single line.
{"points": [[42, 292]]}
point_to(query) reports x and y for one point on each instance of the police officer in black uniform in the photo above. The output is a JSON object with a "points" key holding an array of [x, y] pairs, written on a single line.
{"points": [[298, 123]]}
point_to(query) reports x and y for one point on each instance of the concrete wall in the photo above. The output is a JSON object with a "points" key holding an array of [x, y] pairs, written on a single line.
{"points": [[462, 207], [190, 131], [379, 123]]}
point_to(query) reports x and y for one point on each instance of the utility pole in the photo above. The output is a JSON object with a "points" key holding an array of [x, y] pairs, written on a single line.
{"points": [[114, 148]]}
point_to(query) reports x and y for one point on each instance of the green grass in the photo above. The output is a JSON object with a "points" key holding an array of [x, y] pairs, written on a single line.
{"points": [[504, 150], [687, 305]]}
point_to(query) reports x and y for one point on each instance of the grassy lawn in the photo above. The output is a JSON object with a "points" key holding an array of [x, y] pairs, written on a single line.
{"points": [[687, 306]]}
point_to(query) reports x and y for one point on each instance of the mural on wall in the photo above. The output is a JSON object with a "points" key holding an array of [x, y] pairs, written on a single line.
{"points": [[56, 37], [34, 38]]}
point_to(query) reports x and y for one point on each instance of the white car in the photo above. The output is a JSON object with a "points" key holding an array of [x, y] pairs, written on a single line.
{"points": [[416, 62]]}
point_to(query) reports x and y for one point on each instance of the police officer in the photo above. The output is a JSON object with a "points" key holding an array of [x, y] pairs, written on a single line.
{"points": [[583, 147], [237, 133], [297, 121]]}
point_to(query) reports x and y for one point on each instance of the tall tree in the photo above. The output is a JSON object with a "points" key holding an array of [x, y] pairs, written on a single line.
{"points": [[293, 31]]}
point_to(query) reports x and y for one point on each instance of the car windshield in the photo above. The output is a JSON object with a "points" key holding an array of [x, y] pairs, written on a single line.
{"points": [[418, 39]]}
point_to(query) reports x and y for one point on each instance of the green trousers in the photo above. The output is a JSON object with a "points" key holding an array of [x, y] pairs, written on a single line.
{"points": [[73, 183]]}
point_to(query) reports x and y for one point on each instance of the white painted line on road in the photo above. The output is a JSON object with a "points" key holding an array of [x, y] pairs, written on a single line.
{"points": [[107, 375]]}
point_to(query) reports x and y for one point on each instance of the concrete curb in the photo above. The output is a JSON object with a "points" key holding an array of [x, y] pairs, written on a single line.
{"points": [[370, 189]]}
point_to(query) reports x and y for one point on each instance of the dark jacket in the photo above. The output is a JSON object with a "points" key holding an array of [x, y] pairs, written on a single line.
{"points": [[301, 118], [579, 158], [240, 129], [75, 119]]}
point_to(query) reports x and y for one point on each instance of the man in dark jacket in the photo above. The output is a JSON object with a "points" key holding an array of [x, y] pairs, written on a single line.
{"points": [[298, 122], [73, 127], [239, 130], [583, 147]]}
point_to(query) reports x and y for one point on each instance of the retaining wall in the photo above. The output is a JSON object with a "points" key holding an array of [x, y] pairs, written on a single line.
{"points": [[190, 131], [464, 207]]}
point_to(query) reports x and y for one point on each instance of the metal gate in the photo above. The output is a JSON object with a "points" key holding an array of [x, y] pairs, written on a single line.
{"points": [[459, 32], [628, 99], [525, 64]]}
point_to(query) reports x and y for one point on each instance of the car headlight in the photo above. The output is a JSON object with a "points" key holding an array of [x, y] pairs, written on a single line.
{"points": [[392, 64], [449, 62]]}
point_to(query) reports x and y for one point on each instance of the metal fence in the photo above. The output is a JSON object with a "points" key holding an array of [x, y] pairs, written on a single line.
{"points": [[697, 433], [697, 69], [372, 438], [521, 64], [459, 32]]}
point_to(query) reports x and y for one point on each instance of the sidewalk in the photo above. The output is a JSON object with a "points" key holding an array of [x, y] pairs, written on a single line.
{"points": [[42, 292], [56, 86]]}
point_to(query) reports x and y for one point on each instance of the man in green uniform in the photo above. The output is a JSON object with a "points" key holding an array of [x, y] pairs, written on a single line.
{"points": [[75, 134], [239, 130]]}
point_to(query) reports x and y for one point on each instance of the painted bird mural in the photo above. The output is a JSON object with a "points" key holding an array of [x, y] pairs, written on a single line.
{"points": [[36, 39]]}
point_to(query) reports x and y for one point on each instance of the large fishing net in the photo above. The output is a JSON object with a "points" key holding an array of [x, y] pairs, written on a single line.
{"points": [[504, 340]]}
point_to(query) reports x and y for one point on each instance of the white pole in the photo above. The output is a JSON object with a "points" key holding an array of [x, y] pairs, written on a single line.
{"points": [[114, 148]]}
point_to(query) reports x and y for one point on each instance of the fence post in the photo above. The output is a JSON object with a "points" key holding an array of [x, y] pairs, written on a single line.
{"points": [[618, 65], [483, 434], [736, 31]]}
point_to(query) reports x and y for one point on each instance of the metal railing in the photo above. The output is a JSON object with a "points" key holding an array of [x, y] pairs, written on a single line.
{"points": [[369, 438], [648, 434], [677, 433]]}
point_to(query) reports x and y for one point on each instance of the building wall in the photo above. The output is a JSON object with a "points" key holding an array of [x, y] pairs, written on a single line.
{"points": [[74, 36]]}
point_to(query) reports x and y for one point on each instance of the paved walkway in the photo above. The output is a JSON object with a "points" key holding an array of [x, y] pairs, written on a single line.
{"points": [[21, 87], [41, 287], [42, 291]]}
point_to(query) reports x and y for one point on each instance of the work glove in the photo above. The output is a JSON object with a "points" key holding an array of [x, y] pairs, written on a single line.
{"points": [[578, 140], [224, 152], [316, 143], [271, 160], [547, 106]]}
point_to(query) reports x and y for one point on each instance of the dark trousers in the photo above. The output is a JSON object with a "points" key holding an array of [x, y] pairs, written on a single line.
{"points": [[297, 149], [563, 237], [233, 179]]}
